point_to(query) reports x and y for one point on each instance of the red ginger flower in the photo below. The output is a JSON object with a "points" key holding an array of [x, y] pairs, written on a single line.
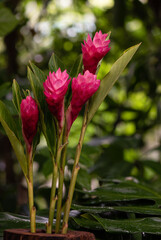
{"points": [[29, 116], [83, 87], [94, 51], [55, 87]]}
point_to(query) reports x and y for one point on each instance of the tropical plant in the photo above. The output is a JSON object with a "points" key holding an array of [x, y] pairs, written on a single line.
{"points": [[57, 104]]}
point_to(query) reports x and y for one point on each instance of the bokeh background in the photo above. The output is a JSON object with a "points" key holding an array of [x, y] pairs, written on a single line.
{"points": [[124, 138]]}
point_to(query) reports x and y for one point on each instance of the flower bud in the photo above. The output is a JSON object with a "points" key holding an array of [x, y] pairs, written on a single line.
{"points": [[94, 51], [29, 116], [55, 88], [83, 87]]}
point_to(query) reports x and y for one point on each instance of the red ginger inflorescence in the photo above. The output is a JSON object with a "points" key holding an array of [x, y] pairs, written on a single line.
{"points": [[55, 88], [94, 51], [83, 87], [29, 116]]}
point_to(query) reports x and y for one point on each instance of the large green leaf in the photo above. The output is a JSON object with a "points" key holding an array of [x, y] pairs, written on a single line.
{"points": [[146, 225], [7, 21], [148, 210], [36, 78], [125, 191], [109, 80], [88, 223], [10, 220], [10, 129], [16, 95]]}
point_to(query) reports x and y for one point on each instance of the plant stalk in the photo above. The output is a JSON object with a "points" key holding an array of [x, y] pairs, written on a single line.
{"points": [[53, 198], [74, 172], [61, 181], [32, 209]]}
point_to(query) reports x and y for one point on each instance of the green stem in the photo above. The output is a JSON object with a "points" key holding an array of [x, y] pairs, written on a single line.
{"points": [[74, 172], [53, 198], [59, 204], [61, 181], [32, 209]]}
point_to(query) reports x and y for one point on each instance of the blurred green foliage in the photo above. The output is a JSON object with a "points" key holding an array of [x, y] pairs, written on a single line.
{"points": [[124, 137]]}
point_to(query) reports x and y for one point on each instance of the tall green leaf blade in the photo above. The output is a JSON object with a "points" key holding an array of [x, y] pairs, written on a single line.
{"points": [[40, 75], [10, 129], [109, 80], [36, 78], [16, 95], [77, 67], [36, 81], [55, 63]]}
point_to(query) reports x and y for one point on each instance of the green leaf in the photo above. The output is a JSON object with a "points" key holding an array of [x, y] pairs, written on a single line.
{"points": [[88, 223], [109, 34], [125, 191], [40, 75], [11, 221], [17, 98], [77, 67], [7, 21], [146, 225], [36, 78], [55, 63], [109, 80], [10, 129], [149, 210]]}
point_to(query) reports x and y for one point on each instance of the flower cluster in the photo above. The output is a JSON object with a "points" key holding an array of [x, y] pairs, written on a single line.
{"points": [[83, 87], [56, 86], [65, 107]]}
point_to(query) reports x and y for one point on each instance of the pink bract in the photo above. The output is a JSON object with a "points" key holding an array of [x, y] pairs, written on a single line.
{"points": [[94, 51], [29, 116], [83, 87], [55, 88]]}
